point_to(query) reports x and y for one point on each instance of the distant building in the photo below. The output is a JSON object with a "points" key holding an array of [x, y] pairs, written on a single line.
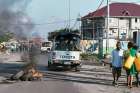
{"points": [[124, 23]]}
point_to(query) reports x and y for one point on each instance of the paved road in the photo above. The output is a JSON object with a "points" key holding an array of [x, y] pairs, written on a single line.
{"points": [[49, 86], [91, 79], [42, 59]]}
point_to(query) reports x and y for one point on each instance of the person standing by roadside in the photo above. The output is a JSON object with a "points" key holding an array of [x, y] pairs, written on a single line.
{"points": [[117, 59]]}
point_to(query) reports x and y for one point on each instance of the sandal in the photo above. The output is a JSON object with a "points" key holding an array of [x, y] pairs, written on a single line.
{"points": [[130, 86]]}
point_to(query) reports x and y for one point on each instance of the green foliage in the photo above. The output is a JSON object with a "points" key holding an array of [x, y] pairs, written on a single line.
{"points": [[89, 56], [5, 37], [67, 30], [52, 35]]}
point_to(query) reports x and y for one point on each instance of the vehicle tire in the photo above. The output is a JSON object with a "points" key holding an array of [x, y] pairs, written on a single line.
{"points": [[41, 52], [67, 67], [77, 68], [49, 64], [49, 67]]}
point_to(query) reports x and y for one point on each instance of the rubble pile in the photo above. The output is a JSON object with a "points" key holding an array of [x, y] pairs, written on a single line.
{"points": [[29, 71]]}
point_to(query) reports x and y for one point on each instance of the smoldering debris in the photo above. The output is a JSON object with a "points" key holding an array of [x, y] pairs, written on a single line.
{"points": [[27, 74], [14, 20], [29, 71]]}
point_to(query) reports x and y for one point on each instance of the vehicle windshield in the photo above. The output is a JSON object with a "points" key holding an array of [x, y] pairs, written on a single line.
{"points": [[46, 44], [67, 43]]}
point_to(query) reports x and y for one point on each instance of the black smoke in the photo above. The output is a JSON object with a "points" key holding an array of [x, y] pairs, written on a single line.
{"points": [[14, 19]]}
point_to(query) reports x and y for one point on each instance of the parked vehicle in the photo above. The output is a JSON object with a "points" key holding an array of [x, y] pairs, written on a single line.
{"points": [[46, 46], [65, 51]]}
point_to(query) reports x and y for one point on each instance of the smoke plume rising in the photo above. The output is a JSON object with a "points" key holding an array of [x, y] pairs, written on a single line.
{"points": [[13, 18]]}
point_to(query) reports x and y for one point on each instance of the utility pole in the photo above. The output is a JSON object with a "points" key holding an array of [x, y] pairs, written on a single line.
{"points": [[137, 39], [100, 38], [80, 30], [69, 15], [93, 35], [107, 38]]}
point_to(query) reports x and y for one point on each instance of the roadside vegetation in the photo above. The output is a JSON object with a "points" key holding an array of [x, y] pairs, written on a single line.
{"points": [[89, 57], [5, 37]]}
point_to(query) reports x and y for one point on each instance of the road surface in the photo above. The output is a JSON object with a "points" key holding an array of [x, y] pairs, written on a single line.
{"points": [[91, 79]]}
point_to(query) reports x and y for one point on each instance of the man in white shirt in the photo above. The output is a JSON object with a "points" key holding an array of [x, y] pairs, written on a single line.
{"points": [[117, 59]]}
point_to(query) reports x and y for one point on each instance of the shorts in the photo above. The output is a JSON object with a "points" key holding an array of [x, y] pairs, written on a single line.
{"points": [[116, 70], [127, 72]]}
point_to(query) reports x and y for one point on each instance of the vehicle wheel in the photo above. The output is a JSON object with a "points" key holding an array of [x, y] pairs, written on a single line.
{"points": [[77, 68], [41, 52], [49, 64], [67, 67], [49, 67]]}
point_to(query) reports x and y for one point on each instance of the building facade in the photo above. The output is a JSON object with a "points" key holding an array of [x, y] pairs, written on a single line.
{"points": [[124, 24]]}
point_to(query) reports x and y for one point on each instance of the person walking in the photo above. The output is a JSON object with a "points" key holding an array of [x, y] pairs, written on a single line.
{"points": [[125, 56], [132, 71], [117, 59], [137, 75]]}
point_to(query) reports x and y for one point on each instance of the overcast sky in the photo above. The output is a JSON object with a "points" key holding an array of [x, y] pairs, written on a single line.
{"points": [[52, 14]]}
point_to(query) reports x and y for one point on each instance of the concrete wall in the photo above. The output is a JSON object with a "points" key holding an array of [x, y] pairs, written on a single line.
{"points": [[134, 24]]}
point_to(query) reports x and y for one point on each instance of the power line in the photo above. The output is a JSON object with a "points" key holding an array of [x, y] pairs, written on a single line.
{"points": [[46, 23], [101, 3], [55, 22]]}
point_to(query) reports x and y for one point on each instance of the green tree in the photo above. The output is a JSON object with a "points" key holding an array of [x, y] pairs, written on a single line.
{"points": [[5, 37], [67, 30], [51, 35]]}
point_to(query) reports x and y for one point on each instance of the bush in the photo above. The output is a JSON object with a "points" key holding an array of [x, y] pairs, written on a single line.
{"points": [[90, 57], [5, 37]]}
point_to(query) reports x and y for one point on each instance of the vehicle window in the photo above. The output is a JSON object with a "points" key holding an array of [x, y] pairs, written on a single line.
{"points": [[68, 44], [46, 44]]}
